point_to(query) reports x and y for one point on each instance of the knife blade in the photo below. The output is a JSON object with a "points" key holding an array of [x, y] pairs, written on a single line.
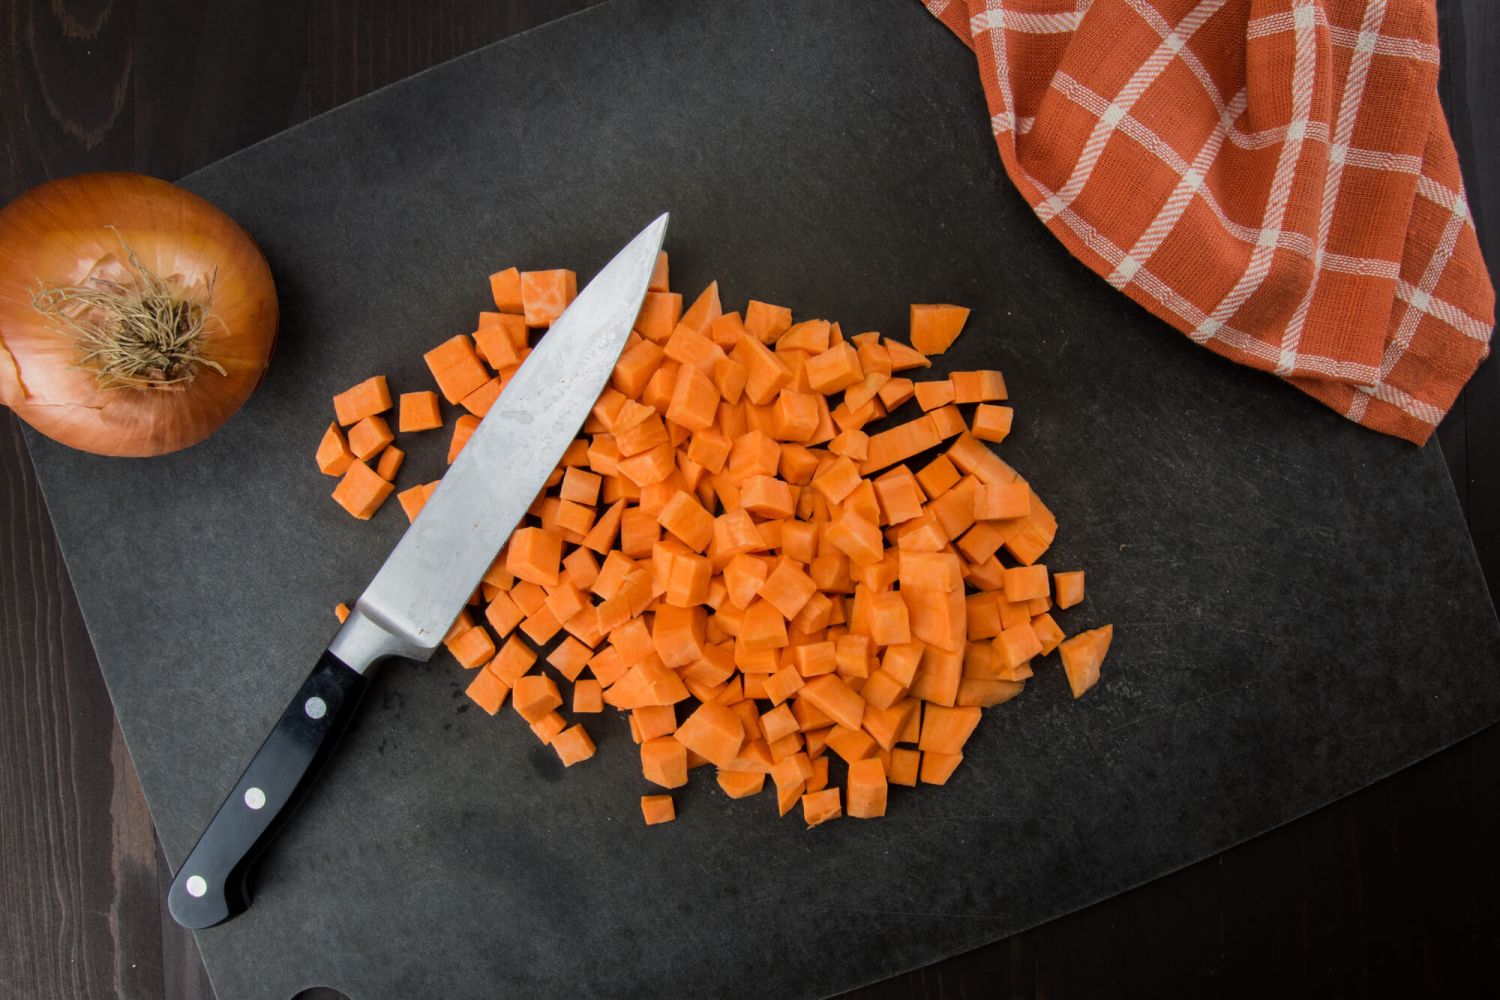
{"points": [[428, 577]]}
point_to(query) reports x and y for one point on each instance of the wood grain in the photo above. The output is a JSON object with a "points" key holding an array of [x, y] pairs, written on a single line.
{"points": [[1387, 891], [1469, 86], [80, 901]]}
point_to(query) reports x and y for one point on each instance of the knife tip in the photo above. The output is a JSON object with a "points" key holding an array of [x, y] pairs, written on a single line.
{"points": [[656, 232]]}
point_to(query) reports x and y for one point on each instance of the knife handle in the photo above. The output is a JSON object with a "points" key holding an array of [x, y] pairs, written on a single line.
{"points": [[212, 884]]}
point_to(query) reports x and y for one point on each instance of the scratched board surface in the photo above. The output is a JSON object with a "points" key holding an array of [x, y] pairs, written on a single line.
{"points": [[1297, 608]]}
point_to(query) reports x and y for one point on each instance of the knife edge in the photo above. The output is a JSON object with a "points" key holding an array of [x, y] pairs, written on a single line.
{"points": [[425, 582]]}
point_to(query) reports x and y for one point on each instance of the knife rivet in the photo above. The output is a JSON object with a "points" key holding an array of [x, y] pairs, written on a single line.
{"points": [[315, 707], [195, 886], [254, 798]]}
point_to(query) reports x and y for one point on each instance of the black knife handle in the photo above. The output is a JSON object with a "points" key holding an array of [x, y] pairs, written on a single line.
{"points": [[212, 884]]}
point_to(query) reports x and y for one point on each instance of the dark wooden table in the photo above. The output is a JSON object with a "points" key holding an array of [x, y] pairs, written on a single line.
{"points": [[1392, 891]]}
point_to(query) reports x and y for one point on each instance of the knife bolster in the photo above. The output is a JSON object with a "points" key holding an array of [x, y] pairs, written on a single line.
{"points": [[362, 641]]}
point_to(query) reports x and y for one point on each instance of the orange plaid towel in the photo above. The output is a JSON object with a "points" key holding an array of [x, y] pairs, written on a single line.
{"points": [[1274, 178]]}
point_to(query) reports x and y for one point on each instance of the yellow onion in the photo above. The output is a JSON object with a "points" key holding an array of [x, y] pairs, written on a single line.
{"points": [[135, 317]]}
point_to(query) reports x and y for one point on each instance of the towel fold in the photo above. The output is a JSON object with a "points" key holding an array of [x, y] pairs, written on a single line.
{"points": [[1275, 178]]}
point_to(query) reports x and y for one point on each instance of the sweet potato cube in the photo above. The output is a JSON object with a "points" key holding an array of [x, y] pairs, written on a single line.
{"points": [[811, 336], [795, 416], [535, 696], [487, 691], [836, 368], [980, 542], [740, 784], [948, 421], [545, 294], [851, 444], [573, 745], [705, 309], [900, 496], [660, 313], [366, 399], [512, 662], [573, 520], [473, 647], [713, 731], [541, 626], [831, 695], [688, 581], [766, 322], [838, 480], [982, 692], [456, 367], [570, 657], [652, 721], [938, 476], [767, 496], [361, 491], [992, 423], [535, 555], [903, 357], [1047, 632], [334, 456], [946, 730], [1082, 656], [900, 443], [937, 678], [463, 429], [820, 807], [529, 597], [481, 399], [904, 766], [389, 463], [889, 622], [982, 614], [931, 395], [505, 287], [788, 588], [1025, 582], [857, 537], [1001, 502], [937, 570], [684, 517], [607, 667], [765, 373], [1068, 588], [778, 723], [547, 727], [710, 449], [502, 343], [937, 768], [588, 696], [815, 658], [664, 761], [977, 387], [1017, 644], [851, 744], [659, 273], [650, 466], [368, 437], [866, 789], [694, 402], [657, 809], [934, 328], [763, 627]]}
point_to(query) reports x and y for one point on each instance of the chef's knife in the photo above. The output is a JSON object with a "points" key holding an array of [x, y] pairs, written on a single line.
{"points": [[429, 576]]}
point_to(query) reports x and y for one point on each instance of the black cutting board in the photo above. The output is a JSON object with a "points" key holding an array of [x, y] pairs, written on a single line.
{"points": [[1297, 607]]}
